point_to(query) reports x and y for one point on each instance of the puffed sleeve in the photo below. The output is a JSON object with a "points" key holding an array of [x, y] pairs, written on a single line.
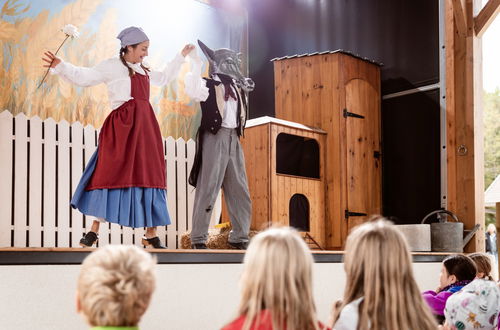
{"points": [[82, 76], [160, 78], [195, 86]]}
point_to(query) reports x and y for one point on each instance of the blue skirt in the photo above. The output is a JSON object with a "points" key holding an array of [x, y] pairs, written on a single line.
{"points": [[134, 207]]}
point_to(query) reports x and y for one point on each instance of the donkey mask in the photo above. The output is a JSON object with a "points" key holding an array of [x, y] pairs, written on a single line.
{"points": [[227, 61]]}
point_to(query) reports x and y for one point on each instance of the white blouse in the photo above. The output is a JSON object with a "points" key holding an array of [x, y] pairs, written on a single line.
{"points": [[115, 75]]}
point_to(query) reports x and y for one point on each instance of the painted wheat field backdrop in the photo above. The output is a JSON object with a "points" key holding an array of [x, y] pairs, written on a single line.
{"points": [[28, 28]]}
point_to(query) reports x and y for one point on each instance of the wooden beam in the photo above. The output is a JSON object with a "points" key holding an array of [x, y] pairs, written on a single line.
{"points": [[458, 14], [486, 16], [498, 233], [463, 122]]}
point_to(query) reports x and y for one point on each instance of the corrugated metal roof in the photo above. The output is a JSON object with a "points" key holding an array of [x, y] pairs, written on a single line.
{"points": [[346, 52], [492, 194]]}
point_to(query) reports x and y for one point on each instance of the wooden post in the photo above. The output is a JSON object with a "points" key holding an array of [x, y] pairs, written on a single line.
{"points": [[464, 128], [498, 232]]}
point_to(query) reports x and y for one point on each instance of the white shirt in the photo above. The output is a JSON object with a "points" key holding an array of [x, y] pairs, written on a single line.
{"points": [[115, 75], [349, 316], [196, 88]]}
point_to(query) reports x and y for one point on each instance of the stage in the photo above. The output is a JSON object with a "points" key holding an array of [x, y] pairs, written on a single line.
{"points": [[195, 289]]}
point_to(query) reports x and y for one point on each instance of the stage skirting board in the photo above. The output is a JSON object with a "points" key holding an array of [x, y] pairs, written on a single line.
{"points": [[195, 290]]}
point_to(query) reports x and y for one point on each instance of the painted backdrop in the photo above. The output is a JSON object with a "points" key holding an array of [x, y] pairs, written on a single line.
{"points": [[30, 27]]}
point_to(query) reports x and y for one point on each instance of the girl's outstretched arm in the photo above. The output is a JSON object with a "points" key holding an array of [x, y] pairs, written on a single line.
{"points": [[79, 76], [195, 86]]}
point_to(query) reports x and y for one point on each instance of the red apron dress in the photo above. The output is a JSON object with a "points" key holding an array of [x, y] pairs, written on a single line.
{"points": [[130, 144], [124, 181]]}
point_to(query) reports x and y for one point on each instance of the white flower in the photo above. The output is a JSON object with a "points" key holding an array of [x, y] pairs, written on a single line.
{"points": [[70, 30]]}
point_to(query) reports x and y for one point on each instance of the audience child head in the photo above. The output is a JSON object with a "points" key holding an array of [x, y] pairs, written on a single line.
{"points": [[483, 265], [115, 286], [276, 284], [476, 306], [380, 291], [456, 270]]}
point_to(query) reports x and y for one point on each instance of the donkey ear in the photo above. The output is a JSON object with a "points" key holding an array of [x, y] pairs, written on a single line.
{"points": [[207, 51]]}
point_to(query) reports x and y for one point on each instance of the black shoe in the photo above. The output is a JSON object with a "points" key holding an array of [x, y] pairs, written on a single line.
{"points": [[154, 242], [239, 245], [199, 246], [89, 239]]}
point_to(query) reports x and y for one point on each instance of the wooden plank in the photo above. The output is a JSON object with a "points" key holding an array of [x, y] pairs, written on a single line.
{"points": [[63, 185], [274, 178], [451, 138], [76, 174], [497, 224], [334, 175], [115, 234], [458, 14], [139, 233], [128, 235], [6, 197], [35, 183], [171, 192], [486, 16], [182, 214], [21, 181], [191, 150], [465, 168], [49, 184]]}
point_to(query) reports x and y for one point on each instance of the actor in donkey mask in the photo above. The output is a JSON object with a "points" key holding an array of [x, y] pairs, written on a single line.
{"points": [[219, 161]]}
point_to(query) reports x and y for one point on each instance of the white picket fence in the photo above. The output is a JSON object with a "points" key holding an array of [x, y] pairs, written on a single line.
{"points": [[40, 165]]}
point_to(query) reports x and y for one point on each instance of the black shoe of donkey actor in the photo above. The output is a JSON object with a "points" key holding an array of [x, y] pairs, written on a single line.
{"points": [[239, 245], [199, 246], [89, 239], [154, 242]]}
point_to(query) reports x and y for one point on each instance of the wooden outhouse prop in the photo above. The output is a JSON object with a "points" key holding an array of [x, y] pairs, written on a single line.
{"points": [[285, 169], [339, 93]]}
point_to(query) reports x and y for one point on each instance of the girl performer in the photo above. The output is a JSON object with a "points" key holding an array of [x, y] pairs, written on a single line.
{"points": [[124, 181]]}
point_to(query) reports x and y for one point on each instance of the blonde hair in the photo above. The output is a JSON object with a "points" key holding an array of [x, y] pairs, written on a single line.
{"points": [[483, 264], [277, 277], [491, 226], [115, 285], [378, 269]]}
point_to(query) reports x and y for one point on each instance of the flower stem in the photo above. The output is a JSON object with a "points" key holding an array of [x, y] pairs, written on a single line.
{"points": [[48, 69]]}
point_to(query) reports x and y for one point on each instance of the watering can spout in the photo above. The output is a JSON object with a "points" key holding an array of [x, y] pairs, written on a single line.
{"points": [[470, 235]]}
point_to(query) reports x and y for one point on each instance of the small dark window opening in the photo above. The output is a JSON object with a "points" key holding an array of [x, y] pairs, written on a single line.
{"points": [[299, 212], [297, 155]]}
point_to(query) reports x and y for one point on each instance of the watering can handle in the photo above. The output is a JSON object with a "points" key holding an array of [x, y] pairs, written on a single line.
{"points": [[469, 235], [453, 215]]}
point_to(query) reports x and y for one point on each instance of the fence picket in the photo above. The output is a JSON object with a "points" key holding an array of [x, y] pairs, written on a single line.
{"points": [[191, 150], [63, 187], [49, 183], [76, 173], [35, 183], [171, 192], [6, 197], [21, 182], [182, 211]]}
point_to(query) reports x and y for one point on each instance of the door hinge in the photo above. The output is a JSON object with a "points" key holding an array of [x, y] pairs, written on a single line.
{"points": [[351, 114], [354, 214]]}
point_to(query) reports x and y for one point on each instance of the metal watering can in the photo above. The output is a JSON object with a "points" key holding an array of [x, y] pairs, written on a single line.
{"points": [[448, 236]]}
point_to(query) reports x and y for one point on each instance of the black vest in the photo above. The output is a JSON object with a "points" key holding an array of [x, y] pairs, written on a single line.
{"points": [[211, 122]]}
